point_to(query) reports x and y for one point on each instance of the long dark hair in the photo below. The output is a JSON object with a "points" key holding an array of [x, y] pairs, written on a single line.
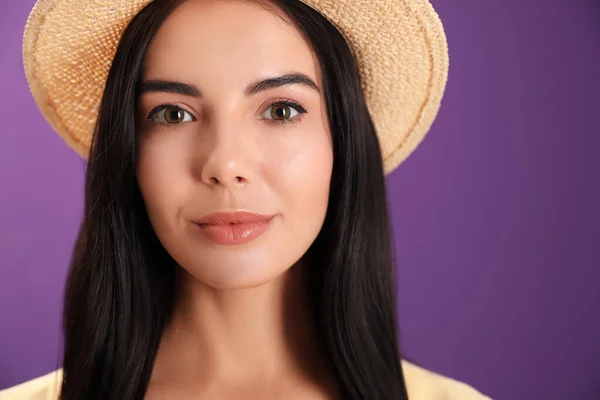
{"points": [[119, 293]]}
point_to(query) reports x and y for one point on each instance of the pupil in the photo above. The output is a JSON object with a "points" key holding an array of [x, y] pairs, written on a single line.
{"points": [[280, 112], [174, 115]]}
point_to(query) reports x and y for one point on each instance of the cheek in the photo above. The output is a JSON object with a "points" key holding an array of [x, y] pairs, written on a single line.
{"points": [[302, 172], [162, 181]]}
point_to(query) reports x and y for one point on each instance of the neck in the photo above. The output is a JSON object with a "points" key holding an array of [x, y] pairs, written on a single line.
{"points": [[240, 336]]}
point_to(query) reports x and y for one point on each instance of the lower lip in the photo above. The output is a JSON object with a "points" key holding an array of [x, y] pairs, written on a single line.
{"points": [[232, 234]]}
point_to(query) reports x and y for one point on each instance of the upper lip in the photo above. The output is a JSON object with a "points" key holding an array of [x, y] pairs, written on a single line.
{"points": [[239, 217]]}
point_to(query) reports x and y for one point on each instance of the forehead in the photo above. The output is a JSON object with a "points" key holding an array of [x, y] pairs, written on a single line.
{"points": [[232, 41]]}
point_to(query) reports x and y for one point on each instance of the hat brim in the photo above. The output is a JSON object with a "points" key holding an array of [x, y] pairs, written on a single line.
{"points": [[399, 45]]}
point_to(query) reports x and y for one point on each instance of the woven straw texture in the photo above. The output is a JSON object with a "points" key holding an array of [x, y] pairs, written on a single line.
{"points": [[399, 45]]}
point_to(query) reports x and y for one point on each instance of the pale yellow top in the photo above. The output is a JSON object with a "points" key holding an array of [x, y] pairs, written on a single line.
{"points": [[421, 384]]}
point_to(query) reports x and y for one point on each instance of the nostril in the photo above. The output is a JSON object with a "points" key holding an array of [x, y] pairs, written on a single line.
{"points": [[213, 180]]}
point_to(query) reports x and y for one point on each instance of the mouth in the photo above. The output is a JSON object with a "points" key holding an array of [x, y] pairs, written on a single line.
{"points": [[229, 218], [233, 228]]}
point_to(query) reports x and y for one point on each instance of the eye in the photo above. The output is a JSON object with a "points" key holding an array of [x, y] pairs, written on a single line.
{"points": [[170, 114], [280, 111], [283, 111]]}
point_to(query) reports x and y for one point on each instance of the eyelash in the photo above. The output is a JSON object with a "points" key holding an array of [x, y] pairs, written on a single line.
{"points": [[285, 102]]}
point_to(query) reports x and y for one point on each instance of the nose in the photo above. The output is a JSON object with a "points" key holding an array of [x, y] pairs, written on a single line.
{"points": [[229, 158]]}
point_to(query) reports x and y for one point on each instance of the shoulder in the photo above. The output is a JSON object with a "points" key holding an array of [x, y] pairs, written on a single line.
{"points": [[427, 385], [421, 385], [45, 387]]}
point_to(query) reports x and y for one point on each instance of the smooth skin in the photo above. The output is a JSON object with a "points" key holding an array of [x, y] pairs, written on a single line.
{"points": [[241, 328]]}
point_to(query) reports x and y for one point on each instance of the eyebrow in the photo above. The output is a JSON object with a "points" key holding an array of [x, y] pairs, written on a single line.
{"points": [[188, 89]]}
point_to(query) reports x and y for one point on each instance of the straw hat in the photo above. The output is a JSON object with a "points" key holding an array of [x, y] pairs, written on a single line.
{"points": [[399, 45]]}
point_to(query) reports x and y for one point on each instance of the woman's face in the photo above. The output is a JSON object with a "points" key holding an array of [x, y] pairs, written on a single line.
{"points": [[227, 144]]}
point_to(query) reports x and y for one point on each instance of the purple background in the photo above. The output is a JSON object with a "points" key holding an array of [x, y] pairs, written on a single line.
{"points": [[496, 215]]}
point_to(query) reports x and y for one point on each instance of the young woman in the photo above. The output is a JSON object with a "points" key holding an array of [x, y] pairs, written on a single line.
{"points": [[236, 241]]}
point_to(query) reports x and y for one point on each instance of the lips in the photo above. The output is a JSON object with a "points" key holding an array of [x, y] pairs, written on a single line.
{"points": [[226, 218], [233, 228]]}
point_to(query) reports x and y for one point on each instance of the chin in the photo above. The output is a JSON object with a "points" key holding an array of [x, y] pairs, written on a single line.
{"points": [[226, 276], [240, 283], [239, 267]]}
